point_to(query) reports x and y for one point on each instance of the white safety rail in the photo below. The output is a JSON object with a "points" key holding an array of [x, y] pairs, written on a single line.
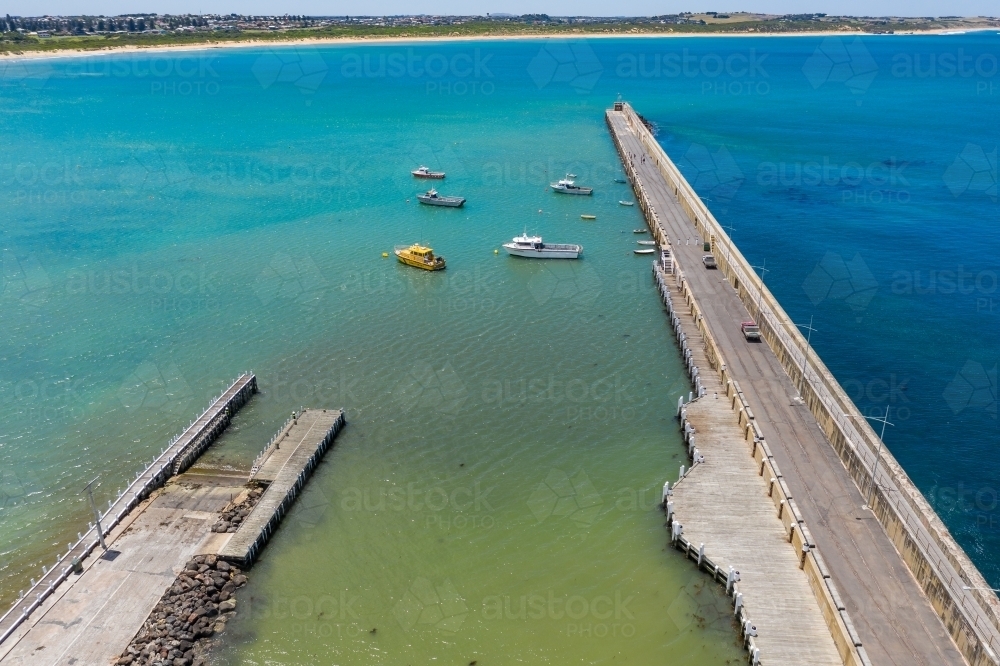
{"points": [[147, 480]]}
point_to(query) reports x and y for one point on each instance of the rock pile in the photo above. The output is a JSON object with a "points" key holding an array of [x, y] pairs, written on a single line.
{"points": [[236, 511], [192, 610]]}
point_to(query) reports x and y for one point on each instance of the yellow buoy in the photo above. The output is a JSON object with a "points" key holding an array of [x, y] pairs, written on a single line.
{"points": [[385, 254], [495, 251]]}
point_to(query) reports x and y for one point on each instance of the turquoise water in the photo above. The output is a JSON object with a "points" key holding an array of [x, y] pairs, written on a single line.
{"points": [[171, 220]]}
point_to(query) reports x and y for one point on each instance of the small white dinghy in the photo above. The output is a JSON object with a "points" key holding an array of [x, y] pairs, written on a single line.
{"points": [[627, 203], [647, 250]]}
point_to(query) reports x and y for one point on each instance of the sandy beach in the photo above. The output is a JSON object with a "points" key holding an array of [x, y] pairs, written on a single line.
{"points": [[357, 41]]}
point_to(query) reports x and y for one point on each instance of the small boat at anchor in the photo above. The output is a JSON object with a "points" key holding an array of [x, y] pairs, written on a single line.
{"points": [[532, 247], [638, 231], [419, 256], [646, 242], [588, 217], [424, 172], [647, 250], [620, 180], [567, 186], [432, 198], [627, 203]]}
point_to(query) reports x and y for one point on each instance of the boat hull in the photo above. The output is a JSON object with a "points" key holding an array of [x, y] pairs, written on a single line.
{"points": [[447, 202], [553, 252], [416, 263], [428, 176], [584, 191]]}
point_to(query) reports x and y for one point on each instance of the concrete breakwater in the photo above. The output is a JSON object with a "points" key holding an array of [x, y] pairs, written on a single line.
{"points": [[177, 454], [902, 577], [161, 590]]}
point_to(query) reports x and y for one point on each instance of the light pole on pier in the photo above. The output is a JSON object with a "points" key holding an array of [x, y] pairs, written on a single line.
{"points": [[760, 290], [727, 246], [97, 514], [805, 352], [878, 455]]}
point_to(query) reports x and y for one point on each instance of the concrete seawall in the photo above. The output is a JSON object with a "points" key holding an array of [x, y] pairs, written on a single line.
{"points": [[939, 565]]}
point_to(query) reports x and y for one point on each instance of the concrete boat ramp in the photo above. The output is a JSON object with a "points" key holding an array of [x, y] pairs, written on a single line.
{"points": [[91, 617]]}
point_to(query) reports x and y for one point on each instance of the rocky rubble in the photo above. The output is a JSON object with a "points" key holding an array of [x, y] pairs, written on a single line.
{"points": [[233, 515], [192, 610]]}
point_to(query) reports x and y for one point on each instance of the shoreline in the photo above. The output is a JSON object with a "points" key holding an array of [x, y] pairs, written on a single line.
{"points": [[355, 41]]}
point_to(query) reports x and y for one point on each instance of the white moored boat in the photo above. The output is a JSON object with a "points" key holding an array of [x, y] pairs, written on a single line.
{"points": [[532, 247], [424, 172], [567, 186]]}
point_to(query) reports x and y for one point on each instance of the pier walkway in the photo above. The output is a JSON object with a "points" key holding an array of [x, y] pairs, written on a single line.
{"points": [[178, 454], [724, 506], [894, 619]]}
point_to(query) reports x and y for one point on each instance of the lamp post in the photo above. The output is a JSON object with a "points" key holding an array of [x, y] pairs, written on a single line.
{"points": [[805, 352], [97, 514], [760, 290], [878, 455]]}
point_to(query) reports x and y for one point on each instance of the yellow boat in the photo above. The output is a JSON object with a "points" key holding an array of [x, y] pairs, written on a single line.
{"points": [[418, 256]]}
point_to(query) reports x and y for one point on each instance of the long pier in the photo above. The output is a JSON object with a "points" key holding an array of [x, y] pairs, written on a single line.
{"points": [[912, 593], [178, 454]]}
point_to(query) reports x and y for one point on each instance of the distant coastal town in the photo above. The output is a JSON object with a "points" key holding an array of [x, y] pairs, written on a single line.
{"points": [[20, 34]]}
